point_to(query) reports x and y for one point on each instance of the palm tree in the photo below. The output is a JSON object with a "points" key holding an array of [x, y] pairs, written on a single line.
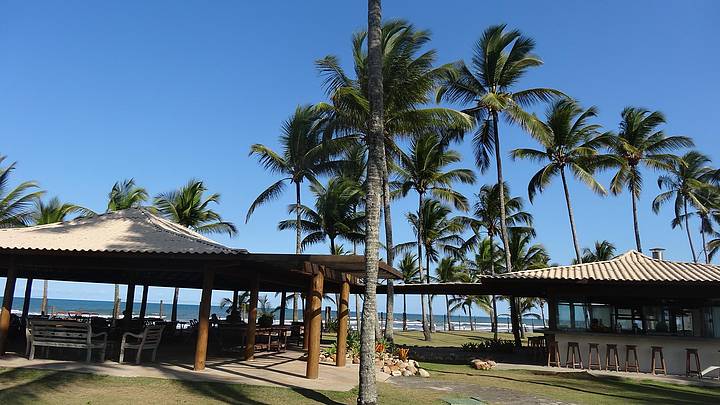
{"points": [[49, 213], [485, 261], [463, 303], [487, 219], [601, 251], [425, 170], [189, 207], [686, 180], [305, 154], [500, 60], [16, 204], [333, 216], [569, 142], [408, 267], [408, 79], [124, 194], [639, 143], [448, 271]]}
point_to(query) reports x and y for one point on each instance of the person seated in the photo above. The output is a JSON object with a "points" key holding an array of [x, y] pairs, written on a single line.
{"points": [[234, 316], [214, 320]]}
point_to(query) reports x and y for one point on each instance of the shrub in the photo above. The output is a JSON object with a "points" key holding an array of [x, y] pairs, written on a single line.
{"points": [[491, 346]]}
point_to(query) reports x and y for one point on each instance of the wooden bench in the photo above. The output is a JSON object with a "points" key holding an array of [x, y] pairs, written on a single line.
{"points": [[149, 339], [70, 334]]}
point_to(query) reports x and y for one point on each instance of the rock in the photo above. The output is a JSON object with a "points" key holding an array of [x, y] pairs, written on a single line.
{"points": [[406, 373], [402, 364], [414, 363], [412, 369], [423, 373], [379, 363], [356, 360], [386, 370], [491, 363], [396, 373]]}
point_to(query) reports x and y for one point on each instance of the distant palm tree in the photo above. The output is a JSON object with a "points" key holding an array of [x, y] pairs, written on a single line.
{"points": [[640, 143], [448, 271], [501, 58], [464, 303], [601, 251], [16, 204], [190, 207], [425, 170], [686, 180], [334, 214], [408, 267], [49, 213], [484, 262], [305, 154], [125, 194], [569, 142]]}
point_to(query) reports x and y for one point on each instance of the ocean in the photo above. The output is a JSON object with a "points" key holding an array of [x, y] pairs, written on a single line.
{"points": [[187, 312]]}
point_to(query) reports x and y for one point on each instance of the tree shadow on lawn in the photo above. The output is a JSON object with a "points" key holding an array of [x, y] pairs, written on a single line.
{"points": [[33, 384], [611, 386]]}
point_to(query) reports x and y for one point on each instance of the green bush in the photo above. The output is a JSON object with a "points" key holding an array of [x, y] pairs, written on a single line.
{"points": [[489, 346]]}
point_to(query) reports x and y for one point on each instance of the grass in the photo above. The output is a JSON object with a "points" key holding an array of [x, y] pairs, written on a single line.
{"points": [[26, 386], [446, 339]]}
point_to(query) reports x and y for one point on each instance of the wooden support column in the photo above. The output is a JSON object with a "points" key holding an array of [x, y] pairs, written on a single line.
{"points": [[252, 319], [173, 312], [343, 320], [283, 307], [552, 313], [204, 320], [7, 305], [129, 303], [236, 293], [26, 302], [143, 302], [313, 361], [306, 319]]}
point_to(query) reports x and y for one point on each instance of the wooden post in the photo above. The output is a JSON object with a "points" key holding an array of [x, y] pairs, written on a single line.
{"points": [[129, 303], [306, 319], [7, 305], [236, 294], [283, 307], [313, 361], [26, 303], [343, 318], [204, 320], [143, 302], [173, 313], [552, 313], [252, 319]]}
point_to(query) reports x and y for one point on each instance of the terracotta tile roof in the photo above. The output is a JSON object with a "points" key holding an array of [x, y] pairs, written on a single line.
{"points": [[631, 266], [130, 230]]}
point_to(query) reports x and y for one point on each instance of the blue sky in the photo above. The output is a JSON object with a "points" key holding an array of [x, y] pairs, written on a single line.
{"points": [[162, 91]]}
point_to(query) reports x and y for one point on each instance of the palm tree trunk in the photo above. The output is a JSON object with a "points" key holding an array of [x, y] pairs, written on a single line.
{"points": [[116, 302], [176, 295], [704, 242], [687, 229], [43, 303], [298, 246], [332, 246], [635, 219], [404, 313], [390, 296], [571, 216], [472, 327], [447, 310], [501, 184], [430, 296], [423, 309], [367, 391], [494, 325]]}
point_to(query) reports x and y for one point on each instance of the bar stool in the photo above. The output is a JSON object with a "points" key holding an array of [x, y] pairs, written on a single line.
{"points": [[612, 348], [596, 362], [536, 347], [635, 365], [553, 355], [688, 370], [572, 356], [663, 367]]}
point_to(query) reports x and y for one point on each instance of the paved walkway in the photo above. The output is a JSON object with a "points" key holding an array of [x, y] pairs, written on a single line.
{"points": [[268, 369]]}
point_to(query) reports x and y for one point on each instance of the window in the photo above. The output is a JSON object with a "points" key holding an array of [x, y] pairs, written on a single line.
{"points": [[572, 316], [564, 320], [600, 317]]}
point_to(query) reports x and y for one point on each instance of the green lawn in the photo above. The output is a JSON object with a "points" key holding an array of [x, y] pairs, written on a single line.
{"points": [[25, 386], [446, 339]]}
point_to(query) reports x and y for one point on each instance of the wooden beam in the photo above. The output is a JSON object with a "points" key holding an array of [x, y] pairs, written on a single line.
{"points": [[129, 303], [313, 360], [252, 320], [26, 302], [204, 321], [143, 302], [7, 305], [283, 307], [343, 318]]}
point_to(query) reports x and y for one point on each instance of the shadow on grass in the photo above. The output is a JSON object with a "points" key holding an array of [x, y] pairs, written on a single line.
{"points": [[609, 386]]}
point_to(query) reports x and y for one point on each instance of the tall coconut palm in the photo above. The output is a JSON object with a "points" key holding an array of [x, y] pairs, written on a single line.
{"points": [[601, 251], [486, 224], [408, 79], [367, 391], [501, 58], [425, 170], [463, 303], [190, 207], [409, 269], [16, 204], [305, 154], [686, 180], [640, 143], [570, 142], [49, 213], [123, 195], [449, 270], [333, 216]]}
